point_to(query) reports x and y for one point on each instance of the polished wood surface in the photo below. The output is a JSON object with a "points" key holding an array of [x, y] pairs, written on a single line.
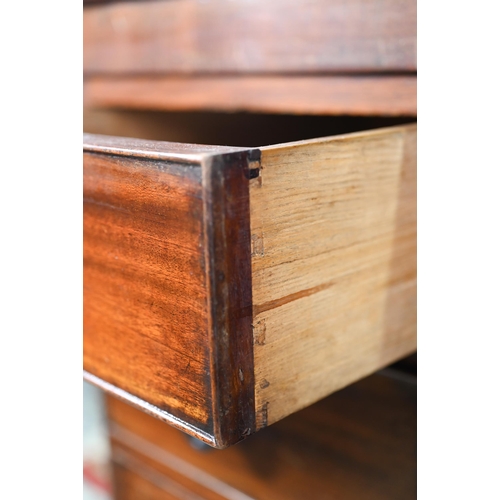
{"points": [[144, 278], [227, 214], [167, 281], [222, 36], [320, 95], [359, 443], [333, 224], [129, 485]]}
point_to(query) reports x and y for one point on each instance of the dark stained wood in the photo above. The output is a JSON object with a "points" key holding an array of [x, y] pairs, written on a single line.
{"points": [[228, 228], [130, 485], [145, 300], [320, 95], [167, 284], [359, 443], [133, 471], [153, 150], [188, 36]]}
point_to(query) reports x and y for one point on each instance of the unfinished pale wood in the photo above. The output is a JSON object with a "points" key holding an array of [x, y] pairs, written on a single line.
{"points": [[333, 225]]}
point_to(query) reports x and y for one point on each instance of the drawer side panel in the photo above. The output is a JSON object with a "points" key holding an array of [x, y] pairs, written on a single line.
{"points": [[333, 223]]}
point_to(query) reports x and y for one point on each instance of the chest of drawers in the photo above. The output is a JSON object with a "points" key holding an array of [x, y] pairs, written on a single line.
{"points": [[227, 287]]}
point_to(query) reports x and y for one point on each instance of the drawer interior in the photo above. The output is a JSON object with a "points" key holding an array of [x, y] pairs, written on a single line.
{"points": [[228, 129]]}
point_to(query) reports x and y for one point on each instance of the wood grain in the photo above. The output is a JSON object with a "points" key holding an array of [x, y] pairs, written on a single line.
{"points": [[166, 243], [333, 223], [359, 443], [179, 479], [188, 36], [226, 288], [227, 208], [319, 95], [129, 485], [144, 278]]}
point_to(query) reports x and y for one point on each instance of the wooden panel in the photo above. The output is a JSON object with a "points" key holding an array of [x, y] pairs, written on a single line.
{"points": [[145, 298], [137, 478], [130, 485], [333, 225], [359, 443], [226, 288], [188, 36], [178, 478], [166, 243], [322, 95]]}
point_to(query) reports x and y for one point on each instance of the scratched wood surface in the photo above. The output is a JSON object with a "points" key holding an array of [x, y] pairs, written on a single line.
{"points": [[333, 225], [393, 95], [188, 36], [359, 443]]}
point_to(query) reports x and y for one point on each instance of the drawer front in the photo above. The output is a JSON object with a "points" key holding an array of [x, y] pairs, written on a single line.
{"points": [[189, 36], [359, 443], [226, 288], [145, 287], [166, 281]]}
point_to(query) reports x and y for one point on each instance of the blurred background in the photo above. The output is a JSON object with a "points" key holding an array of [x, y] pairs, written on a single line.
{"points": [[96, 452]]}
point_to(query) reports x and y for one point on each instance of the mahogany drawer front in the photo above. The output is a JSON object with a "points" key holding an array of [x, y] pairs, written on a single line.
{"points": [[226, 288], [223, 36], [359, 443], [324, 57]]}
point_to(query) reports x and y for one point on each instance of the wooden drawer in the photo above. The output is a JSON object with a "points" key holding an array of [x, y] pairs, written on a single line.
{"points": [[223, 36], [226, 288], [317, 56], [357, 444]]}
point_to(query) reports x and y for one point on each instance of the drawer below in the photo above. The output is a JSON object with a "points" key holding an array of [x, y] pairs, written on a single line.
{"points": [[226, 288], [357, 444]]}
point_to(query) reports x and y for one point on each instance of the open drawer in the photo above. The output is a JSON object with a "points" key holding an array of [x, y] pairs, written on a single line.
{"points": [[226, 288]]}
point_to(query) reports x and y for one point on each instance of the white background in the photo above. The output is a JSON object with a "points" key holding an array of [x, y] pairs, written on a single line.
{"points": [[41, 249]]}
